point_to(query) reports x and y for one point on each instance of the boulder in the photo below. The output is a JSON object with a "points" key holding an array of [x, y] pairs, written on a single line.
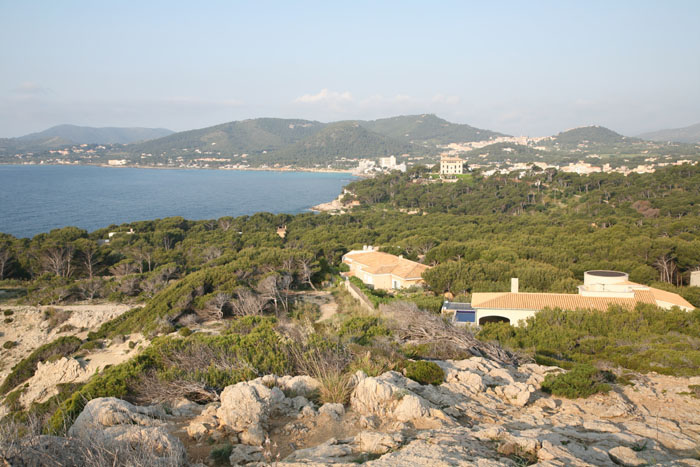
{"points": [[517, 394], [242, 454], [377, 443], [335, 411], [332, 451], [43, 450], [625, 456], [128, 430], [299, 386], [392, 396], [246, 408]]}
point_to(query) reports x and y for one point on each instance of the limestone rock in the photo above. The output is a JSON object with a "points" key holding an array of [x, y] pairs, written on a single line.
{"points": [[625, 456], [299, 386], [49, 374], [43, 451], [246, 407], [331, 451], [335, 411], [242, 454], [390, 396], [517, 394], [377, 443], [118, 425]]}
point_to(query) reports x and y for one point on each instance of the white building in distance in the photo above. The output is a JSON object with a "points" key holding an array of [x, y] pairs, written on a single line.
{"points": [[451, 166]]}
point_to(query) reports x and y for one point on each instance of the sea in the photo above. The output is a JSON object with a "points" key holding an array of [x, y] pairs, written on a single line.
{"points": [[39, 198]]}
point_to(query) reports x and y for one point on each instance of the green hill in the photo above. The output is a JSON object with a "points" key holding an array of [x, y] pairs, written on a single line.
{"points": [[343, 139], [245, 136], [73, 134], [427, 128], [689, 134], [590, 135]]}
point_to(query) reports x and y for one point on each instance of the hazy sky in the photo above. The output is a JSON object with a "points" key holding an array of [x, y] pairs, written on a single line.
{"points": [[521, 67]]}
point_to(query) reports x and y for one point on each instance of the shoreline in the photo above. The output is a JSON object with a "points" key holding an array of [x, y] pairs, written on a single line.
{"points": [[240, 169]]}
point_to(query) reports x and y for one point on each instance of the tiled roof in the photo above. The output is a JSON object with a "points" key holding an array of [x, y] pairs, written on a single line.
{"points": [[670, 297], [540, 301], [376, 262]]}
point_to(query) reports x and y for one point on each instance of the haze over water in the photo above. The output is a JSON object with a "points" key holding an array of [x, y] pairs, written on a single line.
{"points": [[36, 199]]}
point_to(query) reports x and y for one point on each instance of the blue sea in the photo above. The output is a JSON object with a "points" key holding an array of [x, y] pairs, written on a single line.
{"points": [[35, 199]]}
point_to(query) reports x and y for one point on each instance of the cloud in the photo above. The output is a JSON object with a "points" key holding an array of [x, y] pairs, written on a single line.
{"points": [[325, 97]]}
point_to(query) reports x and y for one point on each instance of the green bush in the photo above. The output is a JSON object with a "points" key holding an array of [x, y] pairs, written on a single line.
{"points": [[425, 372], [645, 339], [582, 380], [184, 331], [305, 311], [9, 345], [25, 369], [221, 453], [361, 329], [92, 345], [8, 312]]}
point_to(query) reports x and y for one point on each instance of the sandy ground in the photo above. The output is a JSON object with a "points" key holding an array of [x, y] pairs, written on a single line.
{"points": [[29, 330]]}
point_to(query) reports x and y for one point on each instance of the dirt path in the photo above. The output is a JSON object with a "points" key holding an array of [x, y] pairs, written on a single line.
{"points": [[326, 302]]}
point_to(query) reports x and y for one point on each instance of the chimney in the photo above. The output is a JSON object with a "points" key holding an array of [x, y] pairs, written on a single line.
{"points": [[513, 285]]}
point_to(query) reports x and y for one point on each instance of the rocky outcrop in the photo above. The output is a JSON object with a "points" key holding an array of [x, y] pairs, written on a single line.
{"points": [[43, 450], [49, 374], [121, 427], [483, 414], [246, 408], [393, 396]]}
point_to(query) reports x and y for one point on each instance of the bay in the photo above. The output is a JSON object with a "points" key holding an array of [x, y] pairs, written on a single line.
{"points": [[36, 199]]}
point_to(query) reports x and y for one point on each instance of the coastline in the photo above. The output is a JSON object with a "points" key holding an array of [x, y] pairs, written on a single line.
{"points": [[240, 169]]}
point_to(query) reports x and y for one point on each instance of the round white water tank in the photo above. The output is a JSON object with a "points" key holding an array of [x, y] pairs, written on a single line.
{"points": [[604, 277]]}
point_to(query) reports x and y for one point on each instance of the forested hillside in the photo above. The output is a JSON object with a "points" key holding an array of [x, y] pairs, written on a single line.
{"points": [[427, 128], [74, 134]]}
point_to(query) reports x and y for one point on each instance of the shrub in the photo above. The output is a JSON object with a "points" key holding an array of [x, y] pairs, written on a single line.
{"points": [[132, 344], [362, 329], [8, 312], [184, 331], [9, 345], [644, 339], [221, 453], [174, 366], [425, 372], [302, 311], [582, 380], [8, 320], [327, 363], [25, 369], [66, 328], [373, 364], [56, 317], [92, 345]]}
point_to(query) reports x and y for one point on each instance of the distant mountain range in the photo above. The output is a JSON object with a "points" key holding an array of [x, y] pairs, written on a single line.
{"points": [[292, 141], [308, 143], [73, 134], [689, 134]]}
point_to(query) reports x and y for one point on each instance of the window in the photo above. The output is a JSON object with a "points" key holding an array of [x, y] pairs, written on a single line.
{"points": [[465, 316]]}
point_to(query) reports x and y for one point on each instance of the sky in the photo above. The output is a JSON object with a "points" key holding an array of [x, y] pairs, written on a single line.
{"points": [[520, 67]]}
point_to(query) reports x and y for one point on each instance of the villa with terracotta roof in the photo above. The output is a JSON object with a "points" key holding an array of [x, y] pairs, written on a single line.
{"points": [[382, 270], [600, 289]]}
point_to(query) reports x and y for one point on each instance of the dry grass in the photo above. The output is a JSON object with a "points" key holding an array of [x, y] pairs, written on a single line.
{"points": [[328, 366]]}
